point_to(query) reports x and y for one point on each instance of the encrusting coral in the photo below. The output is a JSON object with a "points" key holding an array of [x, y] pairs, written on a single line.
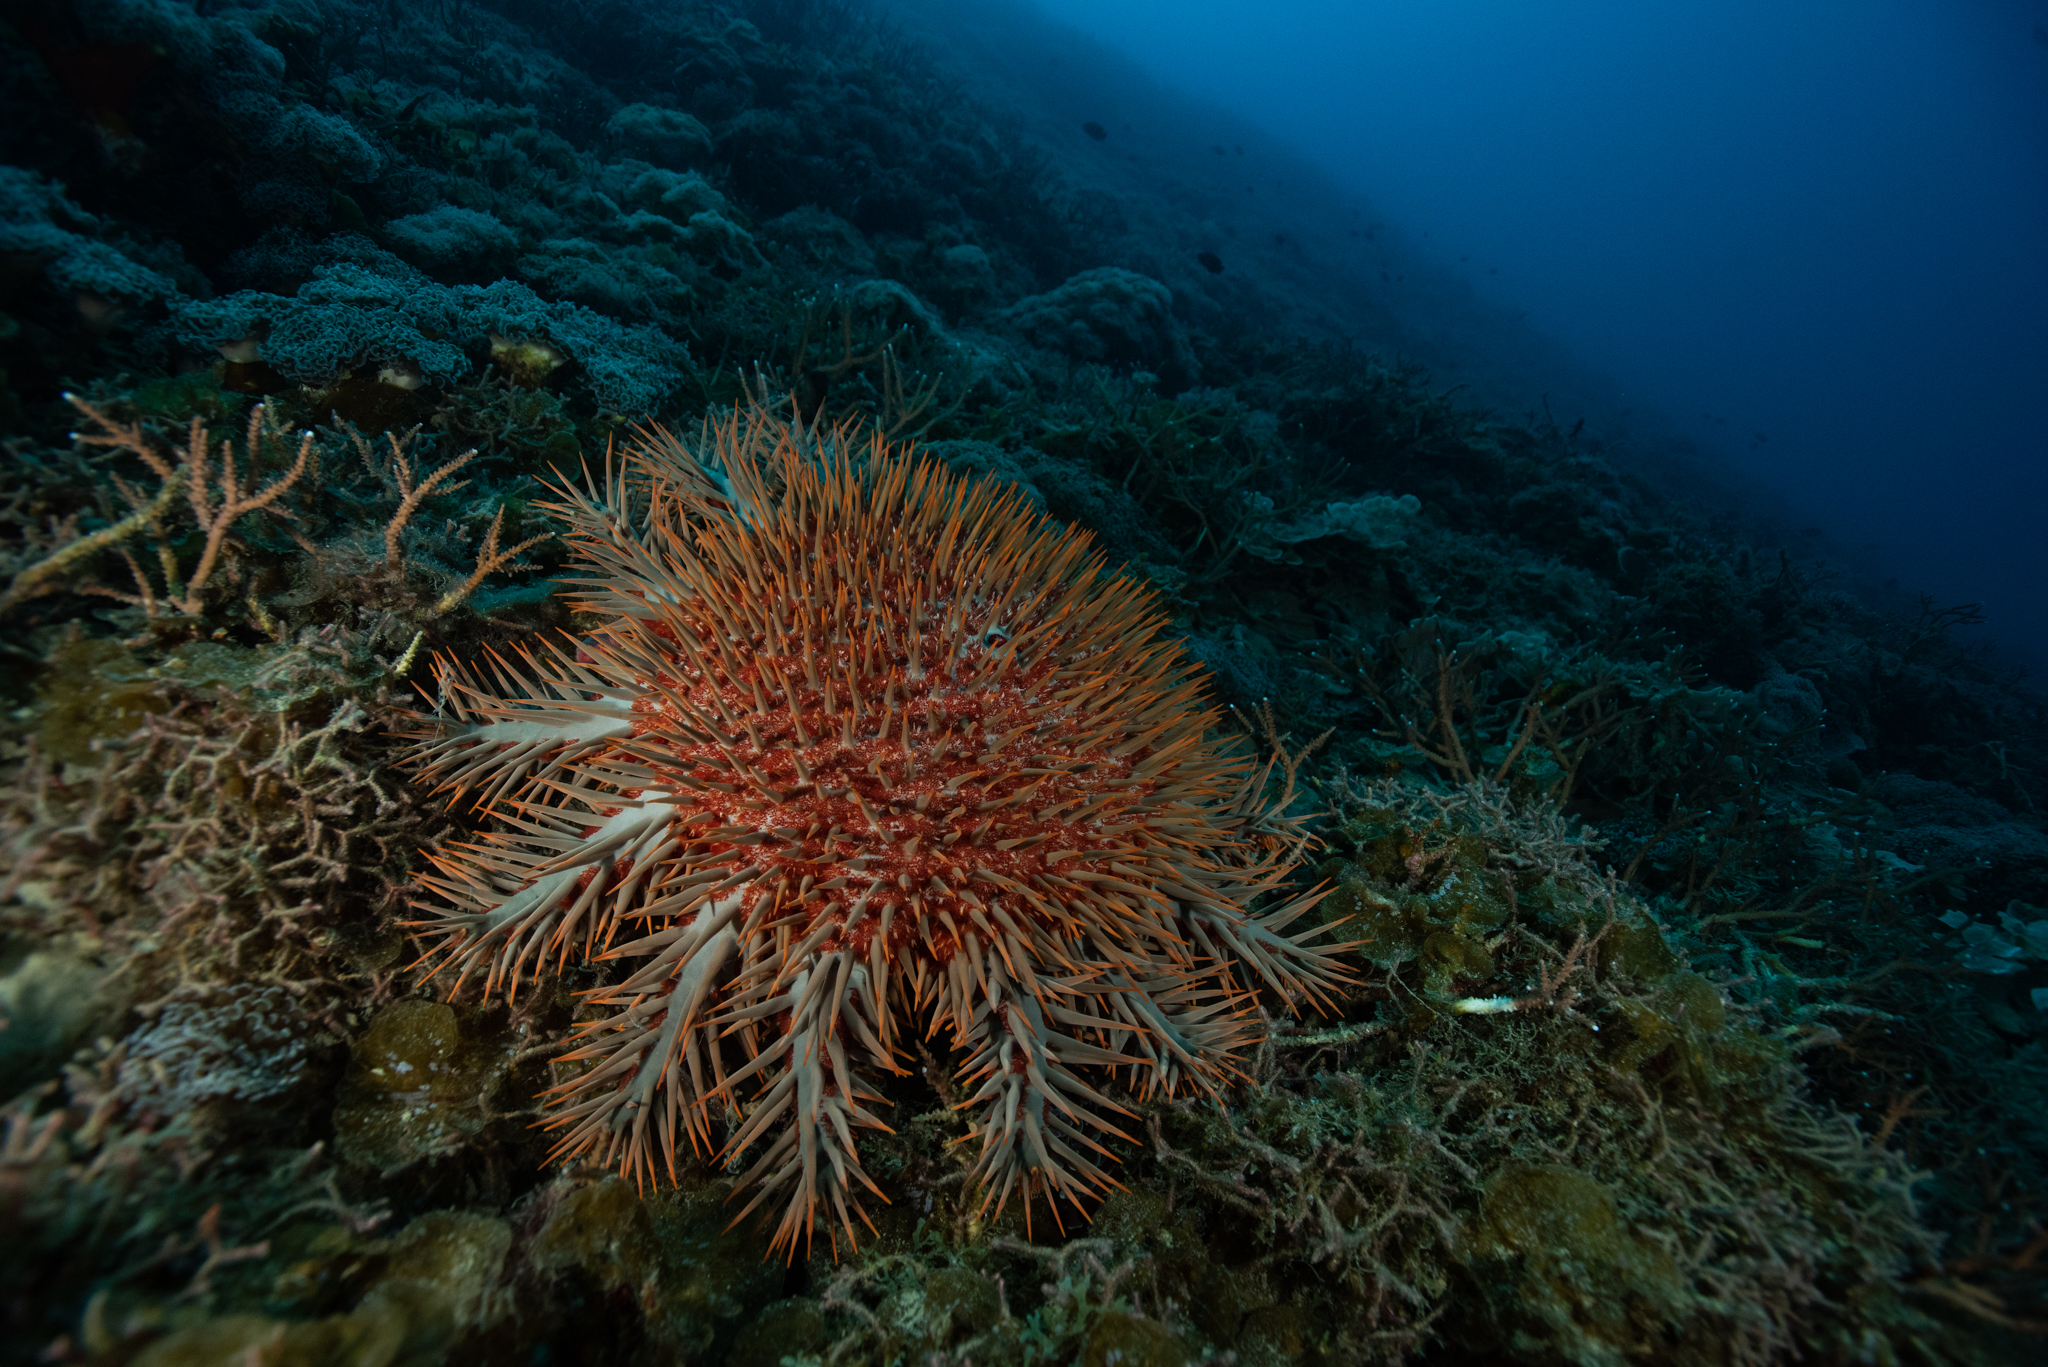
{"points": [[861, 741]]}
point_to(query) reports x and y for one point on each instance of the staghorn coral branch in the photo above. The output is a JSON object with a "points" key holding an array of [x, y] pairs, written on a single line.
{"points": [[192, 477], [216, 519], [489, 559], [902, 406], [31, 582], [36, 580], [410, 495], [218, 1254]]}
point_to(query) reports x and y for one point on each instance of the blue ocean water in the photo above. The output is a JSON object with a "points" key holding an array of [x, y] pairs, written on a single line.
{"points": [[1804, 239]]}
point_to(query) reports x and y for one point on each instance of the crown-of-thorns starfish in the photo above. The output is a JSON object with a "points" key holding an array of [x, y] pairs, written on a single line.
{"points": [[861, 744]]}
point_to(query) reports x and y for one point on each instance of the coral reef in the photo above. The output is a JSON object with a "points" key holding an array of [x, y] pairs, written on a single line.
{"points": [[1111, 316], [1698, 1010]]}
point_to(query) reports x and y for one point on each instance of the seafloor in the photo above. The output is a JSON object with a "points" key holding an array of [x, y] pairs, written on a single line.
{"points": [[1757, 856]]}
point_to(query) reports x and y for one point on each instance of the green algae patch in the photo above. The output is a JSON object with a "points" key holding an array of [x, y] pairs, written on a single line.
{"points": [[789, 1328], [417, 1086], [457, 1256], [1680, 1034], [93, 690], [959, 1303], [1283, 1329], [465, 1286], [952, 1310], [1543, 1136], [232, 1338], [418, 1294], [605, 1230], [528, 361], [215, 664], [674, 1252], [1144, 1220], [1420, 896], [1562, 1268], [1637, 950], [1133, 1341], [51, 999]]}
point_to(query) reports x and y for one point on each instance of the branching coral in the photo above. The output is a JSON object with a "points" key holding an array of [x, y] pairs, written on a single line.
{"points": [[861, 742], [196, 477], [220, 484]]}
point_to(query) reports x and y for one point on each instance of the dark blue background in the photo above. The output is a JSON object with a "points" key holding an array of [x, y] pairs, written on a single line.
{"points": [[1824, 221]]}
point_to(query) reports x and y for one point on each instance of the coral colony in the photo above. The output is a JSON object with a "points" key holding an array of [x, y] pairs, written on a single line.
{"points": [[863, 746]]}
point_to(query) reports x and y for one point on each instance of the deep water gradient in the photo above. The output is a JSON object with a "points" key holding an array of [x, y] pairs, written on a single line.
{"points": [[1815, 235]]}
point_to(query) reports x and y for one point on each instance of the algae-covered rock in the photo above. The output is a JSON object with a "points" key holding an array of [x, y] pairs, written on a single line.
{"points": [[1133, 1341], [1217, 1305], [416, 1087], [603, 1230], [666, 137], [788, 1328], [1284, 1329], [455, 1258], [1564, 1268], [50, 1000], [958, 1302], [1422, 896], [1584, 1133], [235, 1338], [93, 691], [810, 240], [675, 1252], [427, 1286]]}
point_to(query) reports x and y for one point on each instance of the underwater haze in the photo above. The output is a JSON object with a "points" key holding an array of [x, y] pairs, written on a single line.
{"points": [[1813, 236]]}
